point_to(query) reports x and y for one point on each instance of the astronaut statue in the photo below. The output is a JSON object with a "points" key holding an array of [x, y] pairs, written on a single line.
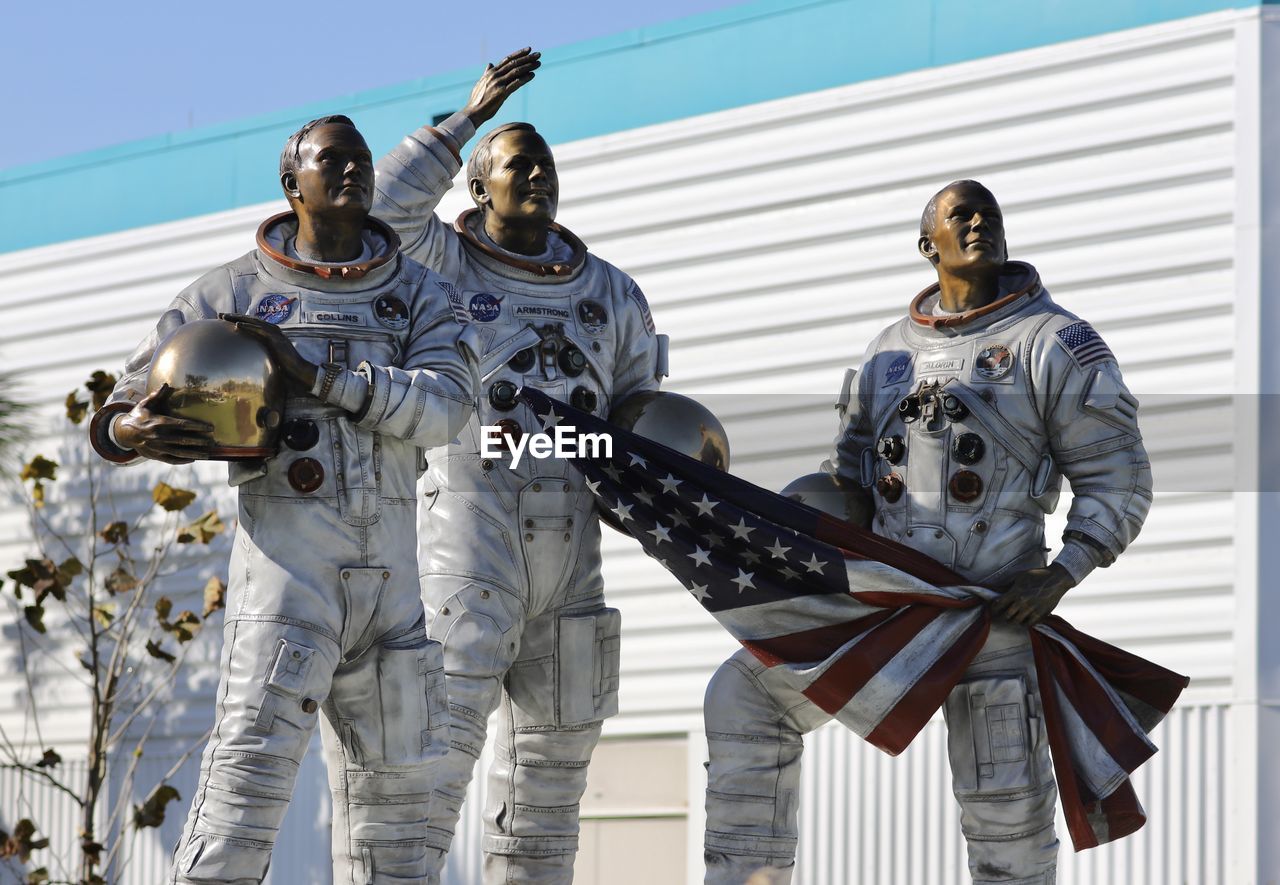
{"points": [[511, 553], [965, 416], [323, 610]]}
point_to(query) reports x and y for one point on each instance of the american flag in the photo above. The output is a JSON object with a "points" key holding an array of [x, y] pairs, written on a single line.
{"points": [[871, 631], [1084, 344]]}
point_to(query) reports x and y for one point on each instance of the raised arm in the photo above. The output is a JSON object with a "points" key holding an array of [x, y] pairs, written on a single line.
{"points": [[414, 176]]}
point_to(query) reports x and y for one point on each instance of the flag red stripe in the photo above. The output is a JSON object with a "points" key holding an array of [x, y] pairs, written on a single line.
{"points": [[888, 599], [846, 677], [1073, 807], [1096, 708], [918, 705], [813, 645], [1123, 812], [1135, 676]]}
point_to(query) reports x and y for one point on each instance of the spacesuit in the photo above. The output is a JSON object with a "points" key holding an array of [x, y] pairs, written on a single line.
{"points": [[323, 611], [963, 426], [511, 557]]}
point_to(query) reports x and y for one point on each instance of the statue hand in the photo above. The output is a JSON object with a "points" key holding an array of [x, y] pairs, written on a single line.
{"points": [[1033, 594], [498, 82], [160, 437], [298, 371]]}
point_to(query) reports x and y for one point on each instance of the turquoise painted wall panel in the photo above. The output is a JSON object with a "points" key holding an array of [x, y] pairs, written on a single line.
{"points": [[751, 53]]}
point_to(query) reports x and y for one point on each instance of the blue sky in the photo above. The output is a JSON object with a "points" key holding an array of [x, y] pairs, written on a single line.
{"points": [[77, 75]]}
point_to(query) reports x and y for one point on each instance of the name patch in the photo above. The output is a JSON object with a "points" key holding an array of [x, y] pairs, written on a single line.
{"points": [[333, 316], [938, 367], [540, 312]]}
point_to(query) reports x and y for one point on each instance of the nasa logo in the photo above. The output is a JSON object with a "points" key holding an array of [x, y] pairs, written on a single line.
{"points": [[274, 309], [897, 369], [484, 308]]}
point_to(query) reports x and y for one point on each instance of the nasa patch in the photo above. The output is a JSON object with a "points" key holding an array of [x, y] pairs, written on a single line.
{"points": [[593, 316], [993, 362], [391, 312], [275, 309], [897, 369], [484, 308]]}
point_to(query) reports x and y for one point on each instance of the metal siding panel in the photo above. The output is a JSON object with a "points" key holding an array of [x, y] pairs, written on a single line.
{"points": [[867, 817]]}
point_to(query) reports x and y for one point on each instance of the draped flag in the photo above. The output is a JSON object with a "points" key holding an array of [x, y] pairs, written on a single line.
{"points": [[873, 632]]}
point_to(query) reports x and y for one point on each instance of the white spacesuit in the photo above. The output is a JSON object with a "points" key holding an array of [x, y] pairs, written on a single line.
{"points": [[511, 558], [323, 610], [963, 425]]}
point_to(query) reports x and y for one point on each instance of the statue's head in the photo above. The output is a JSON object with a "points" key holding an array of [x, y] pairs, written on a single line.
{"points": [[326, 170], [962, 231], [512, 175]]}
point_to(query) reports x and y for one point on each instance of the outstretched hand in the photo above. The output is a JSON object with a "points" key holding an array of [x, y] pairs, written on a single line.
{"points": [[498, 82], [300, 372], [1033, 595], [161, 437]]}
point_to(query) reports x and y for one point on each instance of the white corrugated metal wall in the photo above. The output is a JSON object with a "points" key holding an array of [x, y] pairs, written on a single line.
{"points": [[773, 242]]}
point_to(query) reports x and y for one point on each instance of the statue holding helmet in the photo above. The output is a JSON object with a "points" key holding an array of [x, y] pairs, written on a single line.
{"points": [[319, 365]]}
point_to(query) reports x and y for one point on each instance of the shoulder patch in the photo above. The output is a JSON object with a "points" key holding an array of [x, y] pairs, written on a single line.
{"points": [[633, 291], [1084, 344], [455, 300]]}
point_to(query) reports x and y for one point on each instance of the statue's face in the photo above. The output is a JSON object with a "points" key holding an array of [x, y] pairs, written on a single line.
{"points": [[335, 172], [522, 185], [968, 232]]}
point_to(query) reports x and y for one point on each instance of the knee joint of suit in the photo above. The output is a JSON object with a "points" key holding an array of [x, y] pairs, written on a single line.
{"points": [[477, 627], [753, 777], [1003, 778], [736, 702], [391, 758]]}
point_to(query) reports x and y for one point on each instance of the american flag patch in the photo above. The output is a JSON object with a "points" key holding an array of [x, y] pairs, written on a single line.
{"points": [[455, 301], [634, 292], [1084, 344]]}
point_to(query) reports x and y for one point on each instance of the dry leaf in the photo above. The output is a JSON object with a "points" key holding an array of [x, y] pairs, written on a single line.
{"points": [[203, 530], [100, 384], [170, 498], [116, 533], [156, 651], [215, 595], [76, 408], [120, 581], [39, 468], [151, 812]]}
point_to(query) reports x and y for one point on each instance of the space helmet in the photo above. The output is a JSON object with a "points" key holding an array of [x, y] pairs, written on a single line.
{"points": [[228, 380]]}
